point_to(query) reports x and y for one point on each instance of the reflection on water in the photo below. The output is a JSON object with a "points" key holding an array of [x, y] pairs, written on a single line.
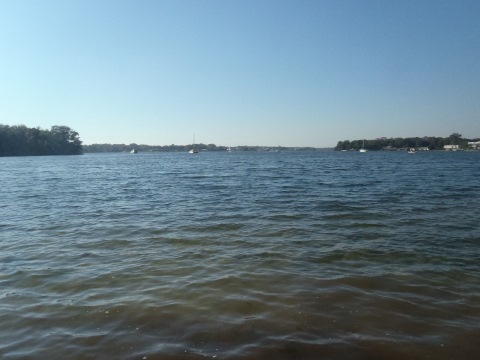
{"points": [[301, 255]]}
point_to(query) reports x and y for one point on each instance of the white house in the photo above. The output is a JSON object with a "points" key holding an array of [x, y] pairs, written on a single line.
{"points": [[474, 144]]}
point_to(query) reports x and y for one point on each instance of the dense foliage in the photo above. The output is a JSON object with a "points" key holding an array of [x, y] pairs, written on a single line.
{"points": [[22, 141], [430, 142]]}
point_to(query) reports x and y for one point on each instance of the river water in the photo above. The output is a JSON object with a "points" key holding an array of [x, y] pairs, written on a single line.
{"points": [[242, 255]]}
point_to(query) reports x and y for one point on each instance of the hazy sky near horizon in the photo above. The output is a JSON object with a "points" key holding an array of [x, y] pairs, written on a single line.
{"points": [[241, 72]]}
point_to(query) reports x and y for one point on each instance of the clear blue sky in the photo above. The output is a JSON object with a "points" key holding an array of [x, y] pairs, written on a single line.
{"points": [[241, 72]]}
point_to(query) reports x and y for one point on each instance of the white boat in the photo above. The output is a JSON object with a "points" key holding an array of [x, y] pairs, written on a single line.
{"points": [[134, 151], [193, 150], [363, 147], [411, 151]]}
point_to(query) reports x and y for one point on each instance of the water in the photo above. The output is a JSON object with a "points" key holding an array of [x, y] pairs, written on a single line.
{"points": [[290, 255]]}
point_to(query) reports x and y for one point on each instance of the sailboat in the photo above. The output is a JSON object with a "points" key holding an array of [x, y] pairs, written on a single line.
{"points": [[363, 147], [193, 150]]}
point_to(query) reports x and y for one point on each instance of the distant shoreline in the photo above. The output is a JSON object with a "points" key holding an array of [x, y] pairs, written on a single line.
{"points": [[113, 148], [454, 141]]}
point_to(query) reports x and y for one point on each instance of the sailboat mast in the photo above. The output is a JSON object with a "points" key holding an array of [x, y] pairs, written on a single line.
{"points": [[193, 150]]}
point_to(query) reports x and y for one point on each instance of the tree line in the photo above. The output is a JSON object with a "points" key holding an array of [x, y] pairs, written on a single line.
{"points": [[106, 148], [100, 148], [19, 140], [430, 142]]}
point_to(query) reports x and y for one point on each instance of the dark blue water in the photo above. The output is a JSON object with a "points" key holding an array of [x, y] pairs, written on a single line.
{"points": [[243, 255]]}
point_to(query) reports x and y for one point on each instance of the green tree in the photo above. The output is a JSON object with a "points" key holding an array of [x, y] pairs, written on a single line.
{"points": [[65, 141], [455, 139], [20, 141]]}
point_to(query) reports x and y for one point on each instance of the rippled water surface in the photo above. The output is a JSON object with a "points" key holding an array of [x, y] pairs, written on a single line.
{"points": [[290, 255]]}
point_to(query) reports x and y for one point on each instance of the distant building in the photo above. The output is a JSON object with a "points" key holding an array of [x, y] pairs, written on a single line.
{"points": [[474, 145], [450, 147]]}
